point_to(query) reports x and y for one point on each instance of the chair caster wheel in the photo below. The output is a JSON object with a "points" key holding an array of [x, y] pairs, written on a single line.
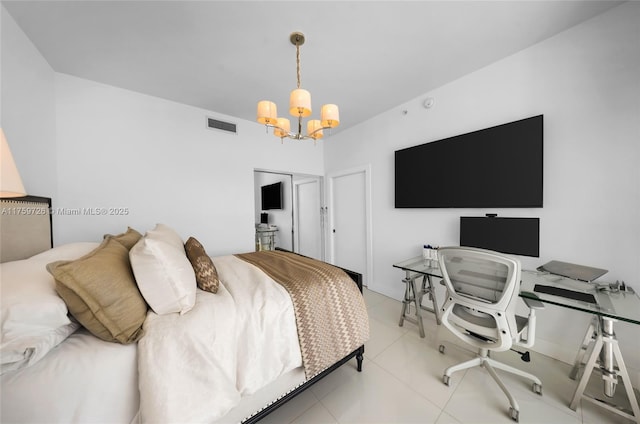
{"points": [[446, 379], [441, 349], [537, 388], [514, 414]]}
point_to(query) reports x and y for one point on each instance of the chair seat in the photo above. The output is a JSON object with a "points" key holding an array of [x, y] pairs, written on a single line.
{"points": [[478, 318]]}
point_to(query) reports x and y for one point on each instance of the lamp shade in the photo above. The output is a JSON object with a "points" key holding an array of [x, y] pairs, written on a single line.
{"points": [[267, 112], [10, 181], [314, 125], [330, 116], [300, 103], [282, 128]]}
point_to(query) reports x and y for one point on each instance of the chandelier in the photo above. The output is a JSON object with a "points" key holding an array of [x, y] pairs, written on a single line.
{"points": [[300, 107]]}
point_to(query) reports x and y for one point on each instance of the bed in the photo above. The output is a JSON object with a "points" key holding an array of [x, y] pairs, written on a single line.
{"points": [[83, 344]]}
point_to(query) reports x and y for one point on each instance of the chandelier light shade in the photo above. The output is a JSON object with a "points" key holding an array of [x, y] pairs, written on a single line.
{"points": [[10, 181], [300, 103], [282, 128], [267, 112], [314, 128], [330, 116], [299, 107]]}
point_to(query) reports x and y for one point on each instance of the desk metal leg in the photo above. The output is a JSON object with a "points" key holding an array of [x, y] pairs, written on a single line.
{"points": [[606, 349], [432, 296], [589, 338], [411, 295]]}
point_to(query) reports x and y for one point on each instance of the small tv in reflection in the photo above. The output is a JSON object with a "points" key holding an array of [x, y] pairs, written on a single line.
{"points": [[517, 236], [271, 196]]}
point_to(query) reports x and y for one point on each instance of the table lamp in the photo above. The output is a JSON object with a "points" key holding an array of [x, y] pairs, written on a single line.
{"points": [[10, 181]]}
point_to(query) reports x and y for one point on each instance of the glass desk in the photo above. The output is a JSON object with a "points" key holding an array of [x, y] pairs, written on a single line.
{"points": [[611, 305], [600, 346]]}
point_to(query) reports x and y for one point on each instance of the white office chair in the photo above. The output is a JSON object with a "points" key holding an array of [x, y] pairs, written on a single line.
{"points": [[483, 288]]}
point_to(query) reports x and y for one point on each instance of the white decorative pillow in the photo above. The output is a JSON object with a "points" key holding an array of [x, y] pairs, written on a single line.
{"points": [[163, 273], [34, 317], [166, 234]]}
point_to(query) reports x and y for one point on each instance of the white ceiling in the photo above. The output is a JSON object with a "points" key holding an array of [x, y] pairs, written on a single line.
{"points": [[224, 56]]}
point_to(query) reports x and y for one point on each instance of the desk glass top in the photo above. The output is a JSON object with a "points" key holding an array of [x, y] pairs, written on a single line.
{"points": [[420, 265], [621, 305]]}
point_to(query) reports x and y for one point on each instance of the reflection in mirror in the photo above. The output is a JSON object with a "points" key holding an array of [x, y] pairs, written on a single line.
{"points": [[299, 224]]}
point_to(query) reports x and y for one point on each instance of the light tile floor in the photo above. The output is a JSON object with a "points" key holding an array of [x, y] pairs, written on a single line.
{"points": [[401, 382]]}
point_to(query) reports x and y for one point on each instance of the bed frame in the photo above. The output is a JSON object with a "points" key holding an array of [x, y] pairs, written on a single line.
{"points": [[26, 228]]}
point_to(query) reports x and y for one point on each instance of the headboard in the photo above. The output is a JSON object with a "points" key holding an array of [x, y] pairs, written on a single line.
{"points": [[25, 227]]}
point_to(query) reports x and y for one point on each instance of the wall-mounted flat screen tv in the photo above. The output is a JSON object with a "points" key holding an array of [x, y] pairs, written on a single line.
{"points": [[518, 236], [497, 167], [271, 196]]}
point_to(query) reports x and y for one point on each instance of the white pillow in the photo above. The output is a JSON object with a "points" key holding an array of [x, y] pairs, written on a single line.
{"points": [[65, 252], [34, 317], [167, 234], [163, 273]]}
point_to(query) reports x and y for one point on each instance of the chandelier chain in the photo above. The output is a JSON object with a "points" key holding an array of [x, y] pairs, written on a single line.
{"points": [[298, 63]]}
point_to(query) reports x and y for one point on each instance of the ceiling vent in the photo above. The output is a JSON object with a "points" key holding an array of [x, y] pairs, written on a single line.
{"points": [[221, 125]]}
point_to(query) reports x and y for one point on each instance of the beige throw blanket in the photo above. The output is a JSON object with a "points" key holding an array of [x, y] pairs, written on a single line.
{"points": [[331, 316]]}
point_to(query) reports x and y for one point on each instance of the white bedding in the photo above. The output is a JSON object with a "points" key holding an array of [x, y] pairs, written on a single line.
{"points": [[223, 360], [84, 379], [61, 379], [34, 318], [195, 367]]}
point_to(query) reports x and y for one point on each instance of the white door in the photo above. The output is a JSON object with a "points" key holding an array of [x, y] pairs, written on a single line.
{"points": [[308, 218], [350, 221]]}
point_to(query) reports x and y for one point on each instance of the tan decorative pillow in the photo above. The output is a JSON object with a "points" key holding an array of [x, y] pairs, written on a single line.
{"points": [[206, 273], [101, 293], [128, 239]]}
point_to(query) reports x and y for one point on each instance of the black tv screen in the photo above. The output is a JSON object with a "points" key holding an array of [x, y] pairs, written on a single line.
{"points": [[518, 236], [271, 196], [497, 167]]}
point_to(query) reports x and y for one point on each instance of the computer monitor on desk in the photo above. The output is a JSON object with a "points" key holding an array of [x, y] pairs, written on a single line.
{"points": [[517, 236]]}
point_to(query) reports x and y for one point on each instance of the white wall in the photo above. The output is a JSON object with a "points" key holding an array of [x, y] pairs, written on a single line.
{"points": [[117, 148], [27, 108], [585, 82]]}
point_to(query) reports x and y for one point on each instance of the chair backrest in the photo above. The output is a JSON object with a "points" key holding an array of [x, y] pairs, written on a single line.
{"points": [[483, 287]]}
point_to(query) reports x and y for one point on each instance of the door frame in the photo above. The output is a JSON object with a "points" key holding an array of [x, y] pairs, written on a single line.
{"points": [[366, 170]]}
